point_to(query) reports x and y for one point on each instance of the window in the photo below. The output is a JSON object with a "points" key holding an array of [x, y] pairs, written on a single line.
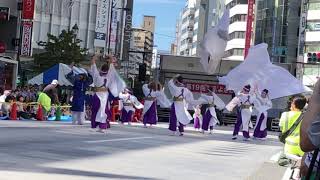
{"points": [[238, 17], [235, 52], [237, 35], [236, 2], [314, 6]]}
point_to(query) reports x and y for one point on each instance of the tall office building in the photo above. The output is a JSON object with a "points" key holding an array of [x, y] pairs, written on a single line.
{"points": [[308, 66], [194, 20], [277, 24]]}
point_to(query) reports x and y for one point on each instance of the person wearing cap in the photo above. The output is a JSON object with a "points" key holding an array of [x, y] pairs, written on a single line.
{"points": [[262, 105], [81, 83], [211, 102], [52, 92], [154, 94], [127, 106], [244, 101], [182, 96], [105, 81]]}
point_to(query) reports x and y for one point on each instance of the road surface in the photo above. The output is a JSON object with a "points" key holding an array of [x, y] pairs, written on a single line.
{"points": [[56, 150]]}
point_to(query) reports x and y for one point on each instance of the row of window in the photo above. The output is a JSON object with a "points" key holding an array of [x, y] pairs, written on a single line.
{"points": [[236, 2], [314, 6], [238, 18], [237, 35]]}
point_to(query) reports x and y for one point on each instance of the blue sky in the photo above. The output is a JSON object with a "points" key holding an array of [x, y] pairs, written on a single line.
{"points": [[166, 12]]}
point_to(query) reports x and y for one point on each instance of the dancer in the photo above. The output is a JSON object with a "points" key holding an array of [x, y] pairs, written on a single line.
{"points": [[154, 94], [105, 81], [263, 103], [179, 115], [211, 100], [244, 101], [197, 118], [81, 83], [127, 105]]}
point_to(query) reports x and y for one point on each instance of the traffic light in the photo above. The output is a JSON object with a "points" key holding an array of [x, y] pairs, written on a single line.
{"points": [[142, 72], [313, 57]]}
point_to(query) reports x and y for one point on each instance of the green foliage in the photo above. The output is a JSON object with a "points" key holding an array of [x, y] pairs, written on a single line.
{"points": [[62, 49]]}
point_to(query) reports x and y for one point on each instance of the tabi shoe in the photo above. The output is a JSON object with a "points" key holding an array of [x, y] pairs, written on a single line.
{"points": [[101, 131], [181, 134], [246, 139], [234, 137], [211, 132], [173, 133]]}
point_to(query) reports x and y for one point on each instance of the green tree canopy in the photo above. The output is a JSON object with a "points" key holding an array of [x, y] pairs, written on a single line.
{"points": [[62, 49]]}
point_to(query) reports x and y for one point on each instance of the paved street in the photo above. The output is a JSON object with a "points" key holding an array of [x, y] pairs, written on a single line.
{"points": [[53, 150]]}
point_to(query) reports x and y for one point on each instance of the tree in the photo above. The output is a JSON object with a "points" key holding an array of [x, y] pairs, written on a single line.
{"points": [[62, 49]]}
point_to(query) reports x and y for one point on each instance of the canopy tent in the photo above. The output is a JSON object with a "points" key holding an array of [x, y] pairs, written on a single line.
{"points": [[257, 70], [58, 72]]}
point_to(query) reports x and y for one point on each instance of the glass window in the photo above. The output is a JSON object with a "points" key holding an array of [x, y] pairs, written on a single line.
{"points": [[314, 6]]}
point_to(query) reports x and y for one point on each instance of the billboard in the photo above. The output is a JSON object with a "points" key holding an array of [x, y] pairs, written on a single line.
{"points": [[26, 38], [101, 23], [250, 17], [28, 9]]}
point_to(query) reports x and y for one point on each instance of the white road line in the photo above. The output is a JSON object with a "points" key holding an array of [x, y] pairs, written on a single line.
{"points": [[120, 139]]}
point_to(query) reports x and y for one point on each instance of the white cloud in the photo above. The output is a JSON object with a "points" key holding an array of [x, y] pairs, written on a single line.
{"points": [[160, 1]]}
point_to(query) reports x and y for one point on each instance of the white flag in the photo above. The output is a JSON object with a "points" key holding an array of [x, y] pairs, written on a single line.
{"points": [[214, 44], [257, 69]]}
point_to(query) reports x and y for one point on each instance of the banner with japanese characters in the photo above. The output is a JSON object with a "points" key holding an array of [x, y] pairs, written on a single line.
{"points": [[26, 38], [203, 88], [101, 23]]}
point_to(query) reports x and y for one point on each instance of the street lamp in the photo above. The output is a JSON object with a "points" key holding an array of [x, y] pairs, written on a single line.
{"points": [[75, 29]]}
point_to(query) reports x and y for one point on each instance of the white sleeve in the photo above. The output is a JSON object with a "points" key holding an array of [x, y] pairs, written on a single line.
{"points": [[163, 100], [145, 90], [94, 70], [172, 87], [233, 103], [218, 102], [136, 103], [115, 83]]}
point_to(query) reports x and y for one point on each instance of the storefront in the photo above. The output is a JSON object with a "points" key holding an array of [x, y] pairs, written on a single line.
{"points": [[8, 73]]}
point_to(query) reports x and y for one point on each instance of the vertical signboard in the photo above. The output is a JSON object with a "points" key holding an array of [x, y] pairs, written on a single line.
{"points": [[127, 31], [26, 38], [249, 27], [28, 9], [114, 28], [301, 43], [101, 23]]}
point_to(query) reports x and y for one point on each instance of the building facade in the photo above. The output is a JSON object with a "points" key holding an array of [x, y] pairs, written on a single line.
{"points": [[277, 24], [308, 66], [194, 20], [141, 49]]}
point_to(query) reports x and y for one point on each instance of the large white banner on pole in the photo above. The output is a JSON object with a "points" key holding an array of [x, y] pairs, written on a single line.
{"points": [[101, 23]]}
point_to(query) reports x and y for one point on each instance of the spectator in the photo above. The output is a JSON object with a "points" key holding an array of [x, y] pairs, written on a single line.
{"points": [[287, 120], [310, 133], [51, 91]]}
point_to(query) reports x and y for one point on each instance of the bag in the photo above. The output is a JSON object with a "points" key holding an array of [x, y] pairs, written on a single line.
{"points": [[283, 136], [313, 175]]}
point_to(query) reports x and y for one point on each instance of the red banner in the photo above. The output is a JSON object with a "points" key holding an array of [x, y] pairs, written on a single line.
{"points": [[26, 38], [28, 9], [202, 87], [250, 17]]}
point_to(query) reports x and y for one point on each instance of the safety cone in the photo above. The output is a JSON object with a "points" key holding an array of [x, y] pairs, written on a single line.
{"points": [[14, 113], [39, 116]]}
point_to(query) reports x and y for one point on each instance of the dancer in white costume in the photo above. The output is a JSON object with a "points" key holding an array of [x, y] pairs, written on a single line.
{"points": [[212, 101], [179, 115], [154, 94], [127, 106], [244, 102], [105, 81], [197, 118], [262, 105]]}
